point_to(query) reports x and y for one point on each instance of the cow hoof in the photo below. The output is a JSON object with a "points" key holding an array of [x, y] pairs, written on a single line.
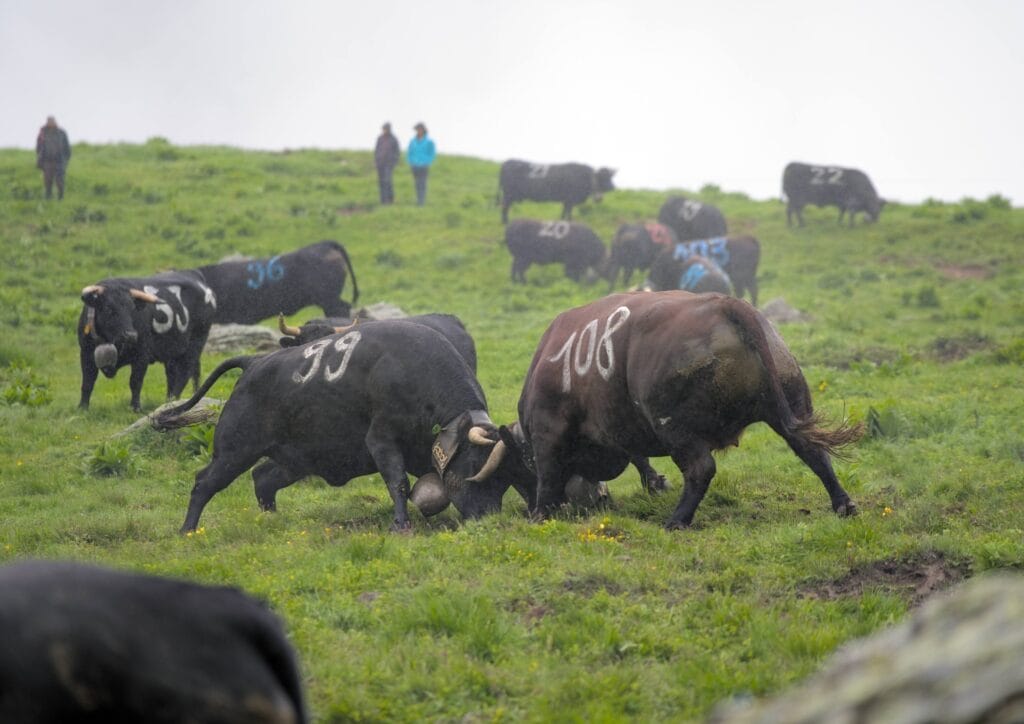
{"points": [[270, 507], [847, 509], [657, 485], [401, 527], [676, 525]]}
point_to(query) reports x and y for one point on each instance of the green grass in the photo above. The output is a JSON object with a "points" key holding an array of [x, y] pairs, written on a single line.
{"points": [[917, 330]]}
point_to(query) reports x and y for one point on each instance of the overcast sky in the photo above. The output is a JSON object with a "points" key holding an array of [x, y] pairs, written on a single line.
{"points": [[926, 97]]}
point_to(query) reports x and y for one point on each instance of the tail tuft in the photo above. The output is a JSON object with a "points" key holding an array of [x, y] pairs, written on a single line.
{"points": [[832, 440]]}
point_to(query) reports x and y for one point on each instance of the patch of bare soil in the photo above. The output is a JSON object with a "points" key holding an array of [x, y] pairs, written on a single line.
{"points": [[965, 271], [950, 349], [914, 578]]}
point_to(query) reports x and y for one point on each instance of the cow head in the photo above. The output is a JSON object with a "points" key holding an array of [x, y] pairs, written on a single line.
{"points": [[311, 330], [470, 458], [603, 182], [110, 321]]}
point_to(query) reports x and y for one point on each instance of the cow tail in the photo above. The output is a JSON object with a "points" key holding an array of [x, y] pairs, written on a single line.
{"points": [[351, 271], [173, 417], [810, 427]]}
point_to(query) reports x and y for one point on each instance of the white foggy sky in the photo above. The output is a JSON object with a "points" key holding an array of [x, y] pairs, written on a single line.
{"points": [[926, 97]]}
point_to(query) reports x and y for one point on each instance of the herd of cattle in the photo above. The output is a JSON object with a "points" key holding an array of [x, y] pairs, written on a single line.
{"points": [[612, 383]]}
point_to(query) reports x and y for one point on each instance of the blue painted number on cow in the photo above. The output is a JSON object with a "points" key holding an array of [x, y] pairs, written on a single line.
{"points": [[715, 249], [269, 271], [692, 276]]}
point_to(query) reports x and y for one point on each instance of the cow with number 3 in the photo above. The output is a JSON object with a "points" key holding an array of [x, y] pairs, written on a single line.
{"points": [[573, 245], [138, 321]]}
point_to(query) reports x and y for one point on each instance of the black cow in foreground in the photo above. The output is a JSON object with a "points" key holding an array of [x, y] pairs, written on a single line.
{"points": [[848, 188], [138, 321], [736, 256], [391, 396], [663, 373], [691, 219], [573, 245], [569, 183], [450, 327], [634, 247], [253, 290], [89, 644]]}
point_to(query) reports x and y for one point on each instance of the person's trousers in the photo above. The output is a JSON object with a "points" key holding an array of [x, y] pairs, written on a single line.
{"points": [[53, 172], [419, 176], [387, 189]]}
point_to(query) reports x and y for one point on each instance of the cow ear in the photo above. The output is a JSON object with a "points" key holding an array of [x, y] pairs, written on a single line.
{"points": [[288, 342], [508, 437]]}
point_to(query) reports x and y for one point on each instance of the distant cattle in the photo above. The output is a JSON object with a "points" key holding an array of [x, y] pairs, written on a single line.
{"points": [[253, 290], [391, 396], [634, 247], [573, 245], [700, 275], [691, 219], [663, 373], [849, 189], [568, 183], [737, 256], [89, 644], [450, 326], [138, 321]]}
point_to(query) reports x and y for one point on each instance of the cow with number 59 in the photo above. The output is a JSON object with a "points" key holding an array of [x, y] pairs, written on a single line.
{"points": [[138, 321], [663, 373], [573, 245]]}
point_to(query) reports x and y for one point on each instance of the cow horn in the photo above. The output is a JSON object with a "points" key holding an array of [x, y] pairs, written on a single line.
{"points": [[347, 327], [92, 289], [144, 296], [285, 329], [492, 463], [478, 436]]}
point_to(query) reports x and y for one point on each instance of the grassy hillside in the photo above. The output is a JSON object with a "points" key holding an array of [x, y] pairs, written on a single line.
{"points": [[917, 328]]}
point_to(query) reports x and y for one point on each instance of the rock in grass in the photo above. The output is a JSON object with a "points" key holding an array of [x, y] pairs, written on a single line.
{"points": [[229, 338], [959, 658]]}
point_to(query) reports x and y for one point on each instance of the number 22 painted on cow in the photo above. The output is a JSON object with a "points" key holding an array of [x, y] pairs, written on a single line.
{"points": [[595, 348]]}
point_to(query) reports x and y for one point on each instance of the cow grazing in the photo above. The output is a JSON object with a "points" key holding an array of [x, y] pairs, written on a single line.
{"points": [[691, 219], [450, 327], [573, 245], [89, 644], [848, 188], [736, 256], [138, 321], [634, 247], [250, 291], [569, 183], [663, 373], [700, 275], [391, 396]]}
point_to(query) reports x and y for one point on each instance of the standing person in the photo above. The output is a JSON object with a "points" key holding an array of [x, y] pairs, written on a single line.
{"points": [[420, 155], [53, 151], [386, 155]]}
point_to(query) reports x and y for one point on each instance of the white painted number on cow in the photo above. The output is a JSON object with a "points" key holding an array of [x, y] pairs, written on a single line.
{"points": [[689, 210], [555, 229], [538, 170], [590, 349], [821, 175], [344, 344], [165, 317]]}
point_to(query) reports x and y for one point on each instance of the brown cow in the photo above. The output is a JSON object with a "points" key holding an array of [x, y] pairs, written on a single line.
{"points": [[664, 373]]}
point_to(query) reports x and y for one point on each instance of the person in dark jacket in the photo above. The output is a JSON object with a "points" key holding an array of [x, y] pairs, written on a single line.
{"points": [[386, 155], [53, 151], [420, 155]]}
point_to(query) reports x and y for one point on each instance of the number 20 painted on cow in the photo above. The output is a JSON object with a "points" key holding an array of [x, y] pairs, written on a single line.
{"points": [[592, 350]]}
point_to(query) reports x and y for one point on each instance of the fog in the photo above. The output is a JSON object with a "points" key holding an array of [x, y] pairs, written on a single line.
{"points": [[923, 96]]}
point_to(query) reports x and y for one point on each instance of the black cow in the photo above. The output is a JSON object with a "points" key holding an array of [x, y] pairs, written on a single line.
{"points": [[663, 373], [737, 256], [138, 321], [450, 326], [700, 275], [250, 291], [634, 247], [392, 396], [848, 188], [89, 644], [569, 183], [691, 219], [573, 245]]}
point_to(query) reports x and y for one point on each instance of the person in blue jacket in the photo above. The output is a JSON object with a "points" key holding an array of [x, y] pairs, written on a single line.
{"points": [[420, 155]]}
